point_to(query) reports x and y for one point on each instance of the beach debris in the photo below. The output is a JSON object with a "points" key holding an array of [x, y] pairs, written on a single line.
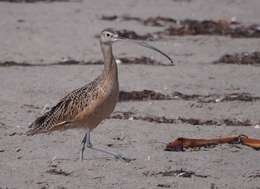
{"points": [[243, 58], [130, 34], [143, 60], [151, 21], [212, 27], [191, 121], [12, 133], [55, 171], [164, 185], [146, 94], [254, 175], [175, 173], [143, 95], [174, 27], [180, 144]]}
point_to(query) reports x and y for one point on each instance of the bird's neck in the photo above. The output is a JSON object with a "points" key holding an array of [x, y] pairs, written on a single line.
{"points": [[110, 66]]}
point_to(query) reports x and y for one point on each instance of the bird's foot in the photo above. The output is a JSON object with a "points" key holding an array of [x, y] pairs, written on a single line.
{"points": [[121, 157], [89, 145]]}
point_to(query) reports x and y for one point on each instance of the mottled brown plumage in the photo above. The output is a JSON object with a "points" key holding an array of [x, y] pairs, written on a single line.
{"points": [[63, 114], [87, 106]]}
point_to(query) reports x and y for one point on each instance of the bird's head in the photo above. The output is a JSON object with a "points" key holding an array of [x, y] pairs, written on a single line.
{"points": [[109, 36]]}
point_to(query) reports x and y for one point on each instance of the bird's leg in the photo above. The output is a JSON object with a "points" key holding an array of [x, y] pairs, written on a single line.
{"points": [[89, 144], [83, 146], [85, 140]]}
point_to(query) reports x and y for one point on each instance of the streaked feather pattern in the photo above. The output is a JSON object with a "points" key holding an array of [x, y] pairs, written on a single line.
{"points": [[66, 109]]}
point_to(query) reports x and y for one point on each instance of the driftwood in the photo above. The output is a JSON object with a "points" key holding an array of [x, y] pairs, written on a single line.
{"points": [[180, 144]]}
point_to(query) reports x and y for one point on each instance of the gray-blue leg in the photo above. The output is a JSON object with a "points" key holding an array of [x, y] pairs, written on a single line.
{"points": [[86, 140]]}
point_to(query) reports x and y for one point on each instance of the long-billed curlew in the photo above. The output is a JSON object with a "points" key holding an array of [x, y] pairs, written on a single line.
{"points": [[87, 106]]}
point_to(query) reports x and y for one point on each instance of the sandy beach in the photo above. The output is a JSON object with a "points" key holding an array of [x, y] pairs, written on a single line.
{"points": [[37, 38]]}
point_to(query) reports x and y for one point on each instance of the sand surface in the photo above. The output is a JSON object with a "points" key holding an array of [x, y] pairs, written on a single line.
{"points": [[50, 32]]}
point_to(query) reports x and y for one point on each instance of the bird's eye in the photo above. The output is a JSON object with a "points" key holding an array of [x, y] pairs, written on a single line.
{"points": [[107, 34]]}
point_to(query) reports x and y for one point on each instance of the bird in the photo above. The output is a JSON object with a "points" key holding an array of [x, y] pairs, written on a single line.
{"points": [[89, 105]]}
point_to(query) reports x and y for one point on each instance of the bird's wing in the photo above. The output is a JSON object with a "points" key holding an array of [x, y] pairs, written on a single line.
{"points": [[65, 110]]}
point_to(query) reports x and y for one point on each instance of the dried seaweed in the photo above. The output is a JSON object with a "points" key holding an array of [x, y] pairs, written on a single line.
{"points": [[245, 58], [176, 173], [142, 60], [164, 185], [76, 62], [236, 122], [130, 34], [58, 172], [132, 116], [254, 176], [109, 17], [210, 27], [13, 63], [12, 134], [143, 95], [227, 122], [190, 27], [181, 173], [60, 63], [151, 21], [212, 98], [30, 106], [191, 121], [247, 97], [70, 62]]}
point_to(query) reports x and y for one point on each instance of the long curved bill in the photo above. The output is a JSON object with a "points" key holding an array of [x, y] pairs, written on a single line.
{"points": [[144, 44]]}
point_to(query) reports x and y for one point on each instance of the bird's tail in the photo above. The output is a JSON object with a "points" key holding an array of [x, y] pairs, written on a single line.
{"points": [[37, 130], [37, 125]]}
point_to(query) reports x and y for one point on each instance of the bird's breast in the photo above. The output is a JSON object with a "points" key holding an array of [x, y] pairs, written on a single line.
{"points": [[108, 98], [102, 106]]}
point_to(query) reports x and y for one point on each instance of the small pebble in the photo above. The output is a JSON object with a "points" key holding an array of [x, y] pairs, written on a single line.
{"points": [[131, 118], [218, 100]]}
